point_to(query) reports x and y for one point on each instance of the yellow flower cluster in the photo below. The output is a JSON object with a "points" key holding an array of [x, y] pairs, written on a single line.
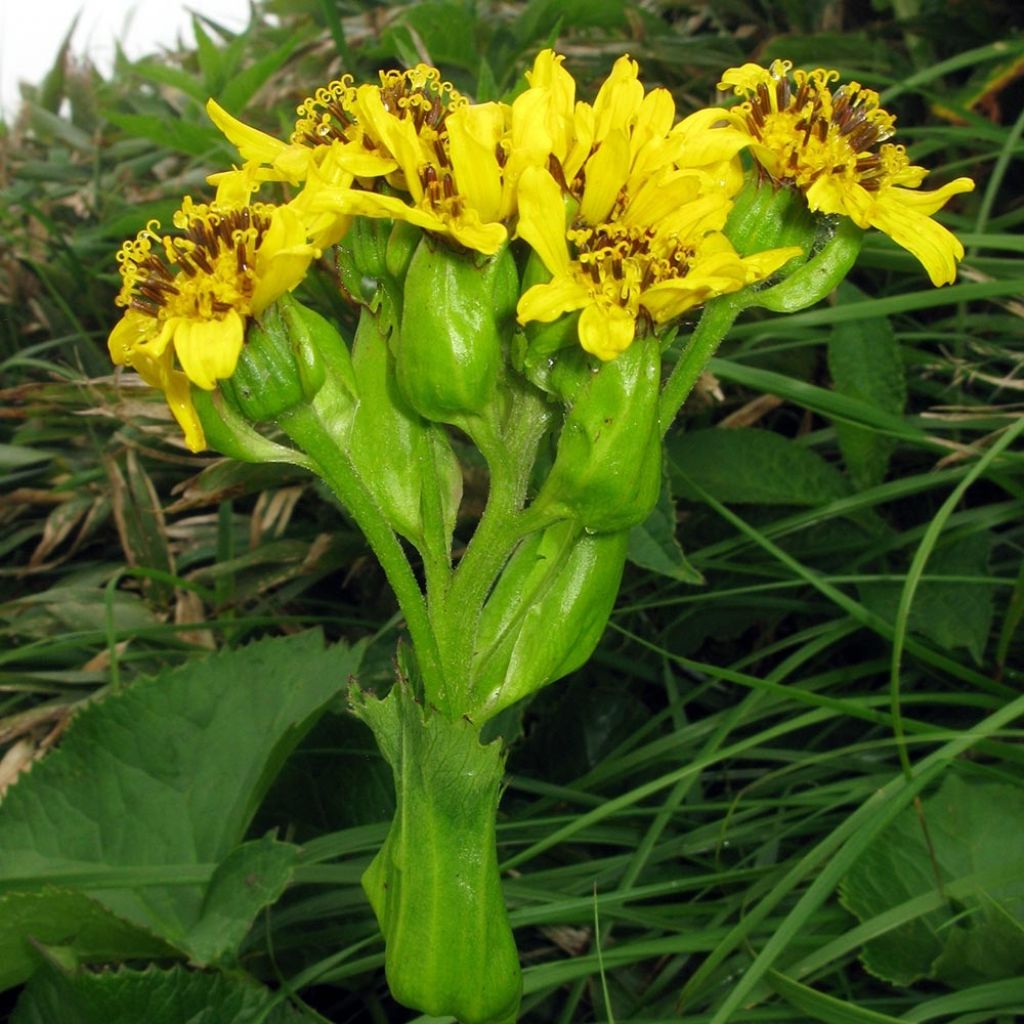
{"points": [[624, 206]]}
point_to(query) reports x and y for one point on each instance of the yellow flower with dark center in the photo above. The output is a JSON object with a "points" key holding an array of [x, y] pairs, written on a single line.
{"points": [[447, 157], [831, 144], [327, 131], [187, 295], [648, 259]]}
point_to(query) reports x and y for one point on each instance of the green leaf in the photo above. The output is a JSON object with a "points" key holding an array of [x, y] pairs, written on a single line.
{"points": [[978, 843], [653, 544], [865, 363], [162, 780], [751, 466], [14, 456], [250, 878], [176, 996], [169, 132], [241, 87], [950, 614], [62, 917]]}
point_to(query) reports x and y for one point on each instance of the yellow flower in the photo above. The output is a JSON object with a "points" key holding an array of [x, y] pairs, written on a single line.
{"points": [[327, 130], [832, 146], [187, 295], [446, 153], [647, 260]]}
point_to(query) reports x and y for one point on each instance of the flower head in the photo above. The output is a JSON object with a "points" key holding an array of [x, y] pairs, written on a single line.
{"points": [[187, 295], [831, 144], [648, 259], [442, 154], [647, 201]]}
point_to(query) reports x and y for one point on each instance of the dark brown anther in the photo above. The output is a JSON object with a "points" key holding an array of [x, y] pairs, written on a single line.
{"points": [[447, 186], [140, 306], [782, 94], [199, 258], [557, 172], [240, 257]]}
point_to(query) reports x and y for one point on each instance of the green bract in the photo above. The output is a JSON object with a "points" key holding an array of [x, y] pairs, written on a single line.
{"points": [[291, 355], [456, 312], [607, 470], [546, 613], [434, 885], [397, 454]]}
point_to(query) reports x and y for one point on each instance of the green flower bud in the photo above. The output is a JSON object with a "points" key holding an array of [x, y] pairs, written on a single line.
{"points": [[546, 613], [434, 886], [398, 455], [361, 257], [765, 216], [289, 355], [456, 313], [607, 469]]}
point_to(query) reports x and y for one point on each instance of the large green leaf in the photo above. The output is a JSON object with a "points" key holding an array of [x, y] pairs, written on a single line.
{"points": [[865, 363], [155, 786], [751, 466], [69, 919], [176, 996], [976, 834]]}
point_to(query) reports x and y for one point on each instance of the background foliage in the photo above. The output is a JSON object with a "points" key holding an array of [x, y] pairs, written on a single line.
{"points": [[717, 816]]}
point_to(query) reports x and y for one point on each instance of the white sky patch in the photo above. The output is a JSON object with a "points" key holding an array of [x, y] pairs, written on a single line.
{"points": [[31, 32]]}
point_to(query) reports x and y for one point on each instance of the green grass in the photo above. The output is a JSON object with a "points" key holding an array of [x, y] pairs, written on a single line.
{"points": [[679, 814]]}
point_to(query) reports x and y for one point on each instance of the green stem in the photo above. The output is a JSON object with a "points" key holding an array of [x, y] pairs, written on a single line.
{"points": [[715, 322], [305, 428], [502, 524]]}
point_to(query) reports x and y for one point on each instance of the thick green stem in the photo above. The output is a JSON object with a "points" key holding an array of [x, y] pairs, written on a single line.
{"points": [[715, 322], [304, 427], [434, 886]]}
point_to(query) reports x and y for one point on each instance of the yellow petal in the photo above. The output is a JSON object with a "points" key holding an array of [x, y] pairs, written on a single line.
{"points": [[470, 231], [706, 137], [548, 73], [178, 393], [542, 219], [584, 131], [547, 302], [208, 350], [128, 332], [254, 145], [606, 331], [282, 258], [357, 202], [235, 187], [937, 249], [929, 202], [746, 79], [473, 132], [160, 373], [619, 98], [606, 173], [397, 135]]}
